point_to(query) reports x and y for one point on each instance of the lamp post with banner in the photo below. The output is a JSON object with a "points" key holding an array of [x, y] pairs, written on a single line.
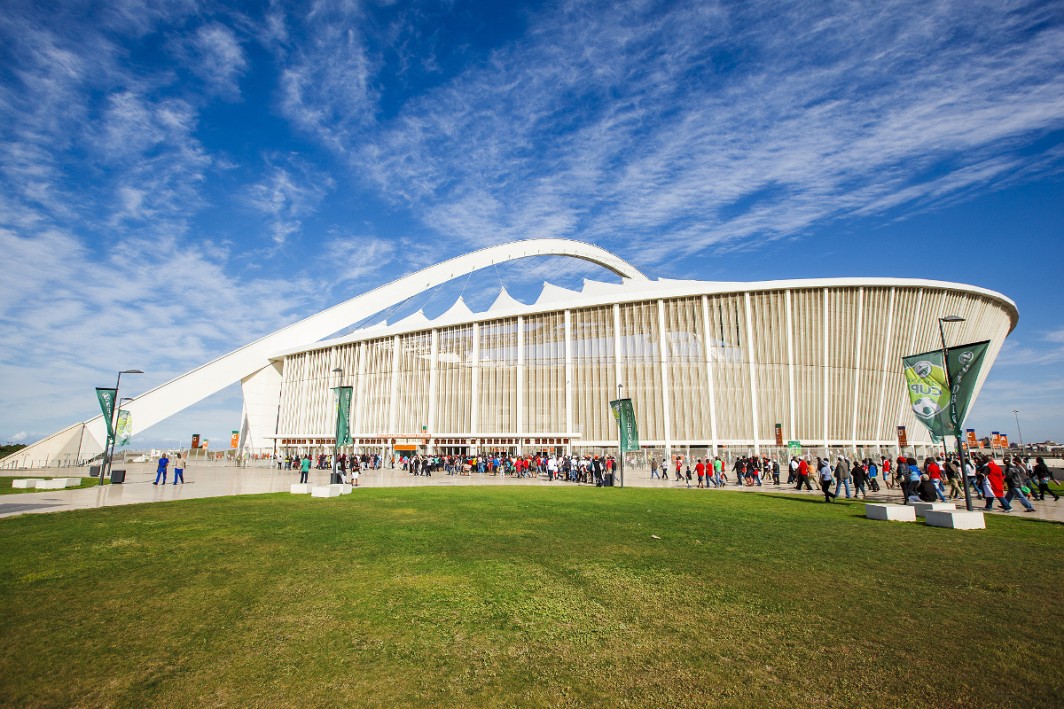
{"points": [[953, 408], [110, 405]]}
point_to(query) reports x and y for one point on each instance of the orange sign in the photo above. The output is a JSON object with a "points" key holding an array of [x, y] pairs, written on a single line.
{"points": [[972, 441], [1004, 440], [903, 440], [779, 434], [234, 440], [995, 440]]}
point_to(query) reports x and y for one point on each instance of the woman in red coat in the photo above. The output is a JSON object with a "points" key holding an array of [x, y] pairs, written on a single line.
{"points": [[995, 480]]}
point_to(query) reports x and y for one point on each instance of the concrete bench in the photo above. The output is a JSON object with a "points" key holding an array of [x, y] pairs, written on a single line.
{"points": [[922, 508], [70, 482], [56, 484], [890, 513], [344, 488], [25, 483], [325, 491], [955, 519], [301, 488]]}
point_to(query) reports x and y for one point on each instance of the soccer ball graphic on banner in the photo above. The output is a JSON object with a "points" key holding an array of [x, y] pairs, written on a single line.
{"points": [[926, 407]]}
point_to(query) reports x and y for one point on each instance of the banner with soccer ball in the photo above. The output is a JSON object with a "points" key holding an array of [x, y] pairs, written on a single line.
{"points": [[929, 386]]}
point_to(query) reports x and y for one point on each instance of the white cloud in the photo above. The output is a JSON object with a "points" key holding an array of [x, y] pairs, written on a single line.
{"points": [[218, 59], [704, 126], [286, 196], [326, 84], [18, 437], [353, 258]]}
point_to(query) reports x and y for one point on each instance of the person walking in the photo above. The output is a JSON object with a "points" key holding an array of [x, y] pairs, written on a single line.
{"points": [[1015, 472], [304, 469], [700, 469], [994, 487], [164, 463], [860, 477], [179, 470], [1042, 476], [803, 474], [842, 477], [825, 480]]}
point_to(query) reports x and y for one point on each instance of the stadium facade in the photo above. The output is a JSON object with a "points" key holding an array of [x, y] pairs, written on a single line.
{"points": [[711, 367]]}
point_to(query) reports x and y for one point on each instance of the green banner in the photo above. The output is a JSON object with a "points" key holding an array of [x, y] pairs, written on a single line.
{"points": [[124, 429], [925, 378], [929, 390], [342, 397], [625, 415], [107, 405], [965, 363]]}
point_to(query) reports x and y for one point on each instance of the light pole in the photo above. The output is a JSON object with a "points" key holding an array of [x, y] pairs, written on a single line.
{"points": [[620, 447], [1023, 448], [953, 409], [336, 441], [108, 459]]}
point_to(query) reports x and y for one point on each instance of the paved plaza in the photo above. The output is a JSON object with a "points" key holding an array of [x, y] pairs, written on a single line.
{"points": [[221, 479]]}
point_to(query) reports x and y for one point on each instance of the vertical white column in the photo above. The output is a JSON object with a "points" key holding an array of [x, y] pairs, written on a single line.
{"points": [[474, 393], [666, 399], [790, 365], [568, 373], [359, 425], [827, 369], [857, 369], [710, 383], [904, 404], [617, 349], [520, 383], [884, 377], [434, 355], [393, 406], [752, 358]]}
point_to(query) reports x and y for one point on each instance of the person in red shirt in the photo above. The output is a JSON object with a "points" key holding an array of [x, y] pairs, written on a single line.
{"points": [[700, 468], [934, 474], [803, 474], [996, 482]]}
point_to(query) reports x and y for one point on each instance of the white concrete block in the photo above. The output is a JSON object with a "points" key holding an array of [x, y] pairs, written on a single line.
{"points": [[56, 484], [922, 508], [344, 488], [325, 491], [955, 519], [890, 513], [25, 483], [300, 488], [70, 482]]}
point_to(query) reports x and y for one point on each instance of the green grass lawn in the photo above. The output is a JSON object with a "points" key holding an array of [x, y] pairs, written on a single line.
{"points": [[6, 489], [525, 596]]}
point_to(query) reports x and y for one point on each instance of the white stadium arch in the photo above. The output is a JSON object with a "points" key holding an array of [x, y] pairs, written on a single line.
{"points": [[251, 363]]}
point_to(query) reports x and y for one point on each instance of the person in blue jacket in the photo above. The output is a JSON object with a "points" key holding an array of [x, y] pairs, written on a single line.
{"points": [[164, 463]]}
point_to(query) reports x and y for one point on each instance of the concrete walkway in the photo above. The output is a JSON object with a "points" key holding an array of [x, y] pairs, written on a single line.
{"points": [[219, 480]]}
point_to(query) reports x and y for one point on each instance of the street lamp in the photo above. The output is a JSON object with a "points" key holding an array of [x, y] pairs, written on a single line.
{"points": [[953, 409], [1023, 448], [108, 461], [336, 441], [620, 448]]}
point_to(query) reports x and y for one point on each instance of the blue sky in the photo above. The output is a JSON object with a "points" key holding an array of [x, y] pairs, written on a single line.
{"points": [[178, 178]]}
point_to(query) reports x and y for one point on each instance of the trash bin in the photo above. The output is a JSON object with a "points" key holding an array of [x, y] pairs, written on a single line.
{"points": [[118, 477], [94, 471]]}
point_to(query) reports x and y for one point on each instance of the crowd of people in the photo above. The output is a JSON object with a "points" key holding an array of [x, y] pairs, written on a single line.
{"points": [[937, 479]]}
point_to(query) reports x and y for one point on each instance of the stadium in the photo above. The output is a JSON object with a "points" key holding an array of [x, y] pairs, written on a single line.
{"points": [[711, 367]]}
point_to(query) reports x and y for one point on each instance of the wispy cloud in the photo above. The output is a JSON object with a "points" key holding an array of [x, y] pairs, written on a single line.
{"points": [[214, 54], [285, 197], [705, 127], [326, 84]]}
